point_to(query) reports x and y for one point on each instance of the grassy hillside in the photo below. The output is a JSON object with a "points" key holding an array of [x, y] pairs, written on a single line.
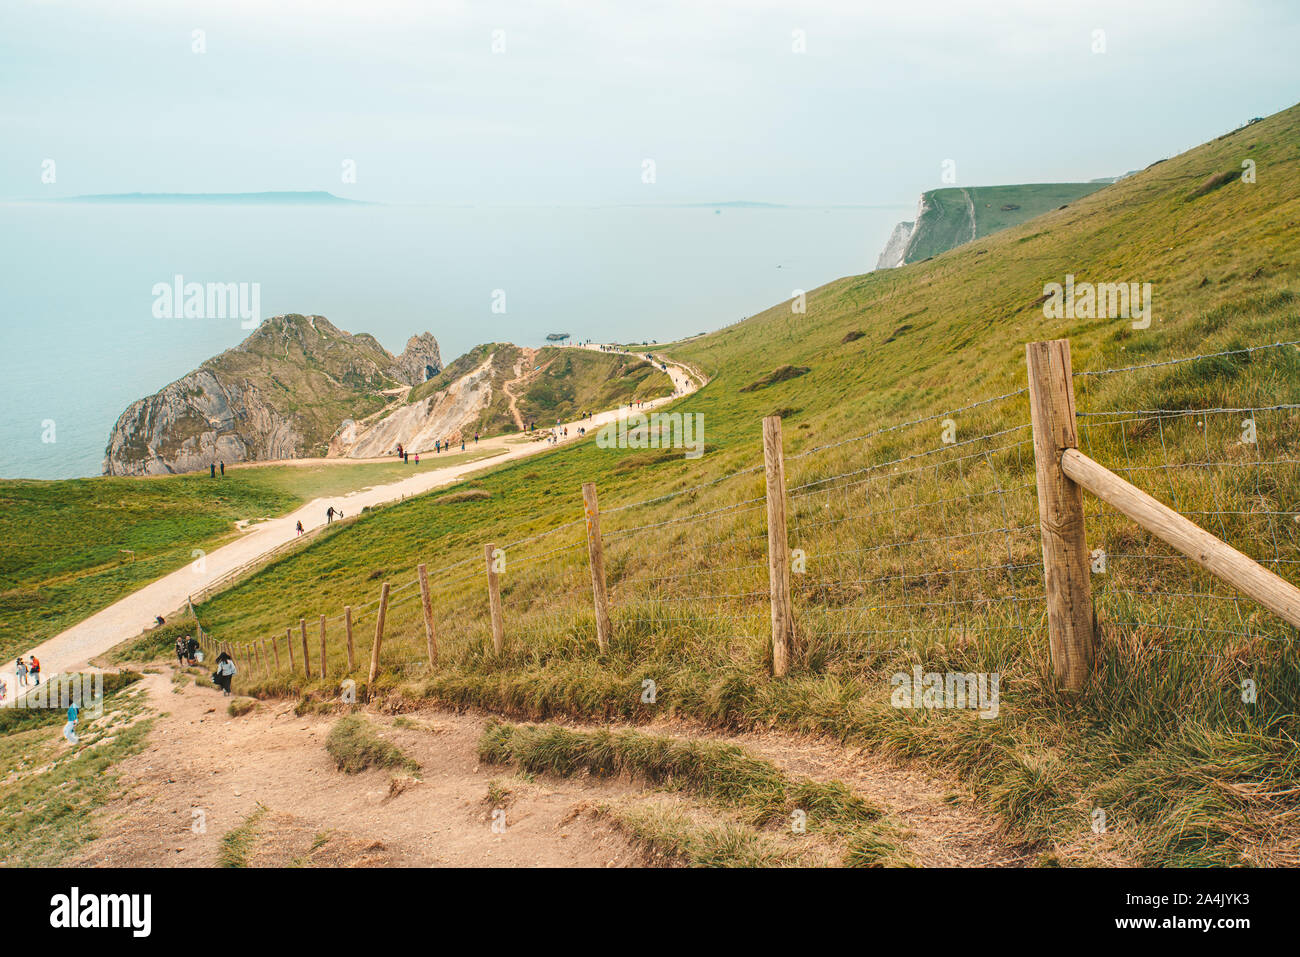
{"points": [[920, 552], [946, 220], [66, 543], [560, 383], [570, 381]]}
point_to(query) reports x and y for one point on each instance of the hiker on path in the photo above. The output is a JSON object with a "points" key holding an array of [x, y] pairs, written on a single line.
{"points": [[34, 668], [329, 515], [299, 527], [20, 669], [4, 690], [158, 621], [212, 469], [191, 649], [180, 650], [223, 469], [225, 672], [70, 729]]}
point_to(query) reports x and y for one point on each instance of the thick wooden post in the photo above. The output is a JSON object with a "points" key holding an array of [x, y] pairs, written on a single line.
{"points": [[1060, 514], [494, 600], [288, 640], [430, 636], [379, 633], [778, 547], [306, 652], [596, 558], [275, 647], [324, 667], [347, 623]]}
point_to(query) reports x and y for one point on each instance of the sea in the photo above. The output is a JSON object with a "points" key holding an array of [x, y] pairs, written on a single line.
{"points": [[81, 335]]}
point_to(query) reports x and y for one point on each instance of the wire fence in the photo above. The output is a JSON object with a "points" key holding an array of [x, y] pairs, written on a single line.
{"points": [[917, 541]]}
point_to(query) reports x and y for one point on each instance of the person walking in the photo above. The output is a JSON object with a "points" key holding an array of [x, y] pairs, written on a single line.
{"points": [[212, 469], [299, 527], [20, 669], [70, 729], [191, 649], [223, 469], [225, 672], [181, 645], [34, 668], [329, 515]]}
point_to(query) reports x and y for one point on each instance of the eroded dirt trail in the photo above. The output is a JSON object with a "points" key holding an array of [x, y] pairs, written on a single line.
{"points": [[204, 766]]}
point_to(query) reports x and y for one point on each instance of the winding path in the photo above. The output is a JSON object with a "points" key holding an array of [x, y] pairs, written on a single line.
{"points": [[72, 649]]}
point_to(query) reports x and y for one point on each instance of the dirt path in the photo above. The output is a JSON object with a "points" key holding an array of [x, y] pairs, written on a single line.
{"points": [[522, 374], [204, 767], [942, 827], [129, 616]]}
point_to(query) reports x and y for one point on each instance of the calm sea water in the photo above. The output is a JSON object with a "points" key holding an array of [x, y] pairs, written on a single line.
{"points": [[80, 341]]}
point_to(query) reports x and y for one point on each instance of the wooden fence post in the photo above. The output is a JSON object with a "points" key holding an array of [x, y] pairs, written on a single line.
{"points": [[494, 600], [347, 623], [1060, 514], [596, 559], [306, 655], [1214, 555], [778, 547], [430, 636], [324, 668], [379, 633], [288, 640], [266, 658], [275, 647]]}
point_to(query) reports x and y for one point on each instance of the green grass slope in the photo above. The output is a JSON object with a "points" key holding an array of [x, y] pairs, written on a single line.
{"points": [[562, 383], [919, 553], [946, 217], [65, 542]]}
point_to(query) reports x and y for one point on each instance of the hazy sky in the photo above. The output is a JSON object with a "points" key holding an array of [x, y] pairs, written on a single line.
{"points": [[713, 92]]}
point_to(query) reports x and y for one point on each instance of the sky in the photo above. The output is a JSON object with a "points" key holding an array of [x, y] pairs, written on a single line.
{"points": [[564, 101]]}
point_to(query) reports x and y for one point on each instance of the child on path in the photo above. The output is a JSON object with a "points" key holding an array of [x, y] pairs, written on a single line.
{"points": [[70, 729], [20, 669], [225, 672]]}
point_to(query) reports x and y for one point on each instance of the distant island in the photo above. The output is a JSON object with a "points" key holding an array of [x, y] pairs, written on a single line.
{"points": [[318, 197]]}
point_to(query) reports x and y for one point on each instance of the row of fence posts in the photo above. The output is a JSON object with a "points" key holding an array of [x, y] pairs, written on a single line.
{"points": [[1066, 566]]}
